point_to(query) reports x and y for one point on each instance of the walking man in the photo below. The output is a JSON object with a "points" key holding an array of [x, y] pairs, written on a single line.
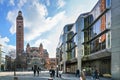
{"points": [[38, 71], [34, 69], [77, 73]]}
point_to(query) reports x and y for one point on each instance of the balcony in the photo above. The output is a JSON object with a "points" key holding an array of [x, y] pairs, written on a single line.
{"points": [[97, 55]]}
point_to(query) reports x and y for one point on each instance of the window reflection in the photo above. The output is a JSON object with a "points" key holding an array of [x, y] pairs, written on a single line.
{"points": [[97, 44], [97, 28], [108, 3]]}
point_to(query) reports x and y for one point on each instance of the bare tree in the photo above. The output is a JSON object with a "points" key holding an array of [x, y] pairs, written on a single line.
{"points": [[12, 53]]}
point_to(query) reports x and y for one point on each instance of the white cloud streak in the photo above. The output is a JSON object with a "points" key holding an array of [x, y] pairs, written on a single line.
{"points": [[12, 2], [11, 17], [61, 3], [37, 23], [21, 3], [5, 47], [3, 40], [48, 2]]}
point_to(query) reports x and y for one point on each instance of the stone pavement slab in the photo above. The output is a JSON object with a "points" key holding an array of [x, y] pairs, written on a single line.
{"points": [[42, 76]]}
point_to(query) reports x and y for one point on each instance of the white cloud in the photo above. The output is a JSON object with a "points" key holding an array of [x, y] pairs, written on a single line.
{"points": [[3, 40], [48, 2], [42, 25], [12, 2], [36, 22], [45, 42], [51, 42], [40, 8], [61, 3], [21, 3], [11, 17], [5, 47]]}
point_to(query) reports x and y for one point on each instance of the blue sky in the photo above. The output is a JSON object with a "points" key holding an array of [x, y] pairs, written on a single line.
{"points": [[43, 21]]}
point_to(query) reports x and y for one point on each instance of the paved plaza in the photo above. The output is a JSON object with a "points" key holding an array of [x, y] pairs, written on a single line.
{"points": [[44, 75]]}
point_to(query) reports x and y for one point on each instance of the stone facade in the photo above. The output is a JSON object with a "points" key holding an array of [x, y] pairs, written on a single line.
{"points": [[36, 56], [115, 31], [52, 63]]}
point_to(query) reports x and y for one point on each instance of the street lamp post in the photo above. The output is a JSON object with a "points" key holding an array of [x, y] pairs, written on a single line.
{"points": [[57, 71], [15, 77], [14, 68], [57, 65]]}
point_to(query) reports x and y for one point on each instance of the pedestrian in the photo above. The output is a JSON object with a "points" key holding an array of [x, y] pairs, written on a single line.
{"points": [[96, 73], [82, 76], [38, 71], [50, 71], [93, 73], [53, 73], [60, 73], [35, 69], [77, 73]]}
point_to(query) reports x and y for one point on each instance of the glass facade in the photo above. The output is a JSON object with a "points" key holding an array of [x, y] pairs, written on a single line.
{"points": [[96, 36], [108, 19], [108, 3], [71, 43], [95, 12], [97, 45]]}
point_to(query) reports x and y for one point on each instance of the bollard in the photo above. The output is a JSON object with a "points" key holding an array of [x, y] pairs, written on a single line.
{"points": [[15, 78]]}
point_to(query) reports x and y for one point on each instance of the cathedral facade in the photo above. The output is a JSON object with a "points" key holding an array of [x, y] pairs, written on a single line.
{"points": [[37, 56]]}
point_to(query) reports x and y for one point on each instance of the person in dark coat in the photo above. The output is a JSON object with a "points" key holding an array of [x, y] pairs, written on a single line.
{"points": [[34, 69], [53, 73], [50, 71], [96, 73], [38, 71], [77, 73]]}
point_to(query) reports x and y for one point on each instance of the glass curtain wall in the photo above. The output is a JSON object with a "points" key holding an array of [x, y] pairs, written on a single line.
{"points": [[71, 44], [93, 42]]}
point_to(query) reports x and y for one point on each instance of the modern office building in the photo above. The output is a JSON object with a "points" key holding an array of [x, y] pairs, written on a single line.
{"points": [[71, 63], [79, 24], [97, 40], [66, 50]]}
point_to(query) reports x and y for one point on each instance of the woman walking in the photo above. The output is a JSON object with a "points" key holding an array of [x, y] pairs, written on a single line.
{"points": [[82, 76]]}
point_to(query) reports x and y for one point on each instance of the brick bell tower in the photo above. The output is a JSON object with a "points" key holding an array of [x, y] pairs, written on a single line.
{"points": [[19, 39]]}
